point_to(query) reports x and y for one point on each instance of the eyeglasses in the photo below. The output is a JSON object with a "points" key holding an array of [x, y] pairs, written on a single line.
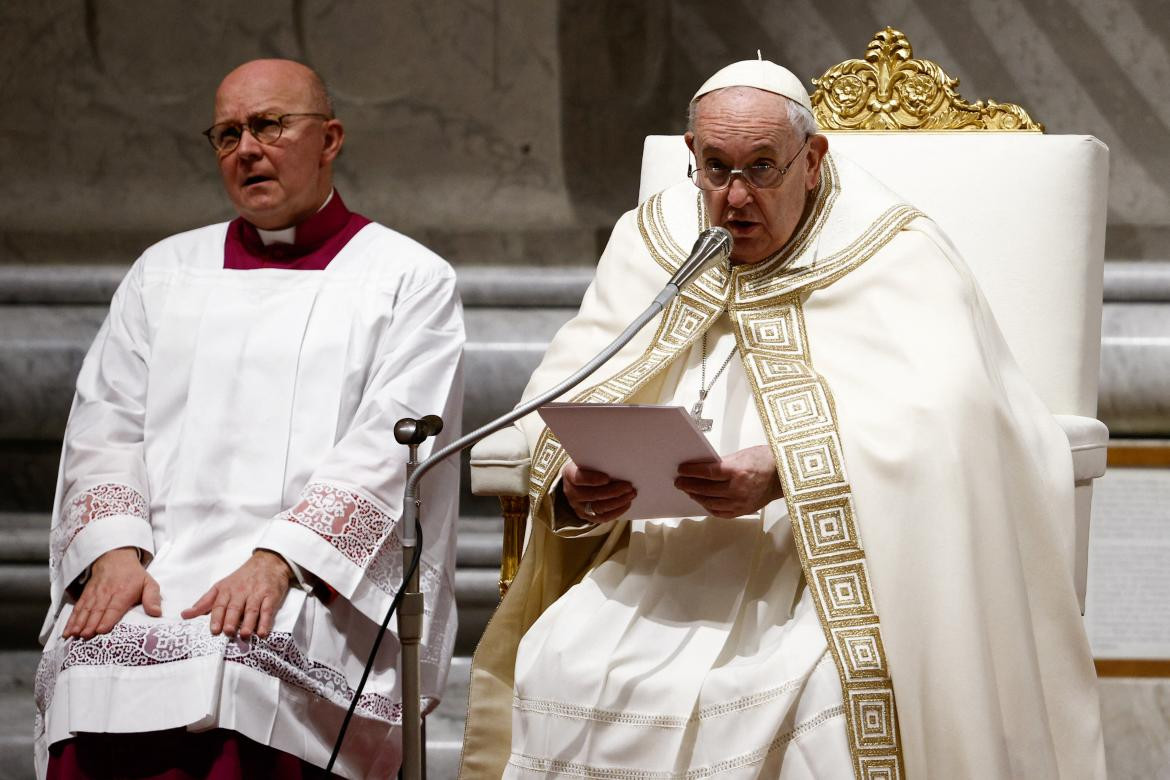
{"points": [[265, 128], [761, 176]]}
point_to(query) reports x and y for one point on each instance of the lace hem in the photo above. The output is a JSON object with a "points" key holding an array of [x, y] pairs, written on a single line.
{"points": [[278, 656], [108, 499]]}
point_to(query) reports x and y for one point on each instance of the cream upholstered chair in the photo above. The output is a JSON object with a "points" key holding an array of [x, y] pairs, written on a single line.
{"points": [[1026, 210]]}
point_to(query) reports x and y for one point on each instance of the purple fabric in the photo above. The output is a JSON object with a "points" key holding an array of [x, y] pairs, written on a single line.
{"points": [[175, 754], [318, 240]]}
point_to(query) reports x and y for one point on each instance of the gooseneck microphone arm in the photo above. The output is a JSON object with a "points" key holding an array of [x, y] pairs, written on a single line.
{"points": [[712, 248]]}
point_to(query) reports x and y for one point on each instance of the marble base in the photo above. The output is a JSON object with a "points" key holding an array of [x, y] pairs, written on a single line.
{"points": [[1135, 715]]}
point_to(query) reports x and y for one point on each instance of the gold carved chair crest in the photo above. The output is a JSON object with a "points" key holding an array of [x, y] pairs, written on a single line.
{"points": [[892, 90]]}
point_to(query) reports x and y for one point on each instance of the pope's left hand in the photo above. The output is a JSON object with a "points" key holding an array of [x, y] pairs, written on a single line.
{"points": [[246, 601], [738, 484]]}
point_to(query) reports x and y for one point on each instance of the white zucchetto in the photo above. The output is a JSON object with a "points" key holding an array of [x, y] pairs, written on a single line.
{"points": [[760, 74]]}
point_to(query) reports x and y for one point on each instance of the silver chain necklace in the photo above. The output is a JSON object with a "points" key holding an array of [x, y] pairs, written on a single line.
{"points": [[704, 423]]}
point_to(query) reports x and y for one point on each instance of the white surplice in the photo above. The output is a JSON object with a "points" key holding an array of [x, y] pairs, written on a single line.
{"points": [[694, 648], [220, 411]]}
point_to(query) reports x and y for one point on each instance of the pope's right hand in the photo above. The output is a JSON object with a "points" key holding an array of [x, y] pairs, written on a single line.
{"points": [[593, 496], [117, 583]]}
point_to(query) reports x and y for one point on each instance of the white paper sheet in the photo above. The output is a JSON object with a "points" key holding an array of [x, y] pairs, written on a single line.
{"points": [[641, 443]]}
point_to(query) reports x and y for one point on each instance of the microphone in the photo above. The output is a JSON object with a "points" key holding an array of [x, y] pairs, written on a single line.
{"points": [[410, 431], [712, 247]]}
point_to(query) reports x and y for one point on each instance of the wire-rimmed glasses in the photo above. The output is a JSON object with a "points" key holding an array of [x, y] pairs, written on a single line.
{"points": [[760, 176]]}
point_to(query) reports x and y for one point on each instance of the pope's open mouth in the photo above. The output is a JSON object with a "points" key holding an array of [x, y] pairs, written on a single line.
{"points": [[740, 225], [248, 182]]}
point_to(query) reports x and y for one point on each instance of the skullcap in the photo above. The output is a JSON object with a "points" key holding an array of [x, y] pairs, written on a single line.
{"points": [[759, 74]]}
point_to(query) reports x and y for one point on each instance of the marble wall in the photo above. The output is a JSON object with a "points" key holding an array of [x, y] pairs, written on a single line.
{"points": [[509, 130]]}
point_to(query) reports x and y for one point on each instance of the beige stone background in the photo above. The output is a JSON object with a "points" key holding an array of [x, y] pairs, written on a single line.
{"points": [[509, 130]]}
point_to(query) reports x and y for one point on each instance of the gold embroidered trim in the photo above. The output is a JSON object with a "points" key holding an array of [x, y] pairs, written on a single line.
{"points": [[799, 415], [759, 292], [577, 769]]}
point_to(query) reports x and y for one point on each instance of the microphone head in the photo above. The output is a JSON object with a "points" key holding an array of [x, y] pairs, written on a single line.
{"points": [[411, 431], [720, 238], [712, 247]]}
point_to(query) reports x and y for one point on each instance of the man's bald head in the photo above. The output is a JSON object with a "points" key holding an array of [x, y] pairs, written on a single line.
{"points": [[290, 74], [278, 183]]}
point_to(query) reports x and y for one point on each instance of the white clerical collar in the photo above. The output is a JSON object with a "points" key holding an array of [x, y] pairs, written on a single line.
{"points": [[286, 235]]}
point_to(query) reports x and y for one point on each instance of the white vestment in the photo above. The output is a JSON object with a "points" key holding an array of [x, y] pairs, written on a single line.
{"points": [[220, 411], [928, 495]]}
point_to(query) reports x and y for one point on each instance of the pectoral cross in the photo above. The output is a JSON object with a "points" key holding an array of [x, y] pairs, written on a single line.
{"points": [[702, 423]]}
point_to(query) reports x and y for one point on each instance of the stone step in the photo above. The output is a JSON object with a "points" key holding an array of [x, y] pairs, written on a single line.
{"points": [[511, 285], [540, 286]]}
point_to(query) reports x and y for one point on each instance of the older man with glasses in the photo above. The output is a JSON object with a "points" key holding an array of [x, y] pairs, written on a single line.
{"points": [[876, 585], [225, 541]]}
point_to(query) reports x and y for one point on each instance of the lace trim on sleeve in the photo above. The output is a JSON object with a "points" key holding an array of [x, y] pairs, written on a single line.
{"points": [[353, 524], [364, 534], [108, 499]]}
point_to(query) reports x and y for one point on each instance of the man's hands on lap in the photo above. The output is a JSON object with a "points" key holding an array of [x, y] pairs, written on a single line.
{"points": [[738, 484], [246, 601], [117, 583], [593, 496]]}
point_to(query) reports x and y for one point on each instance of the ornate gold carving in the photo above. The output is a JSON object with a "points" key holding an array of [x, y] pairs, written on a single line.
{"points": [[891, 90]]}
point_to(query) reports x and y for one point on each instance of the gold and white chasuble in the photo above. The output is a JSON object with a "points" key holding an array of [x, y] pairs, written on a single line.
{"points": [[925, 531]]}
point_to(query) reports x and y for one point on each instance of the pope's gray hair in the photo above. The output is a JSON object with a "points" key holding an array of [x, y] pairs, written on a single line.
{"points": [[799, 119]]}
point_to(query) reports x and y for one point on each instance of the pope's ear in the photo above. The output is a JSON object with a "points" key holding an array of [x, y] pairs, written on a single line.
{"points": [[818, 147], [334, 139], [689, 137]]}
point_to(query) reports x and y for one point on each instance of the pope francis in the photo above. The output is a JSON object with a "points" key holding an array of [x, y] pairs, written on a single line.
{"points": [[879, 588]]}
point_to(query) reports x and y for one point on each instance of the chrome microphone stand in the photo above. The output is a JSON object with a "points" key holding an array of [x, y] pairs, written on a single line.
{"points": [[412, 433]]}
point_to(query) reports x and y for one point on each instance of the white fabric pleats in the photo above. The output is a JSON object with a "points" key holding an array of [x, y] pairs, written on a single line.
{"points": [[220, 411], [693, 652]]}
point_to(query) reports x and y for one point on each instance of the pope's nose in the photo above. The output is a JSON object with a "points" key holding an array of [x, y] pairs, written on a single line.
{"points": [[739, 194]]}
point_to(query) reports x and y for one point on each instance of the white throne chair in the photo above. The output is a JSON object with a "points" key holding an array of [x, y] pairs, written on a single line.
{"points": [[1027, 211]]}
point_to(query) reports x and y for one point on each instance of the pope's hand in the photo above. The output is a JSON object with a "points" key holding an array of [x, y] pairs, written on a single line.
{"points": [[738, 484], [593, 496], [117, 582], [246, 601]]}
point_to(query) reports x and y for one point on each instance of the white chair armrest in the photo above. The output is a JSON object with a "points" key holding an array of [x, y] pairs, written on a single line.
{"points": [[499, 464], [1089, 441]]}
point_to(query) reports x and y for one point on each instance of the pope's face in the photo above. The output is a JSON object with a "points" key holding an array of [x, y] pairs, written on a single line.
{"points": [[739, 128], [277, 185]]}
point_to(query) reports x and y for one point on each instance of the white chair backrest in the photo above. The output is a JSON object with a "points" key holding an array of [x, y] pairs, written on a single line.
{"points": [[1027, 212]]}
